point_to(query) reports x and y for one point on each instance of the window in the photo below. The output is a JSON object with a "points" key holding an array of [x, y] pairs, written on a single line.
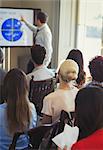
{"points": [[90, 29]]}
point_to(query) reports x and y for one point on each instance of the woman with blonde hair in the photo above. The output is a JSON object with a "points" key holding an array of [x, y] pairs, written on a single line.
{"points": [[63, 98], [17, 114]]}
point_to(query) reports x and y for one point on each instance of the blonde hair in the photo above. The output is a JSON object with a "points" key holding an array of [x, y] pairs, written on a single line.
{"points": [[68, 70]]}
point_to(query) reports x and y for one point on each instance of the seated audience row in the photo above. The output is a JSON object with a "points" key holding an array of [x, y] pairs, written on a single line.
{"points": [[18, 114]]}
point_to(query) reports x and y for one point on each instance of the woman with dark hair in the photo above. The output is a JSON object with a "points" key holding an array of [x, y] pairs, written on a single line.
{"points": [[77, 56], [17, 114], [89, 119]]}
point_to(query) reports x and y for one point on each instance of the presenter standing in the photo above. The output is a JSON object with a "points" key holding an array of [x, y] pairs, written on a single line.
{"points": [[42, 35]]}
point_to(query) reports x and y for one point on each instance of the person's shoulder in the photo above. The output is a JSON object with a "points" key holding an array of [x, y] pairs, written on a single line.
{"points": [[32, 106], [29, 76], [80, 144], [92, 141], [3, 107], [47, 28], [74, 89], [50, 72], [77, 146], [51, 96]]}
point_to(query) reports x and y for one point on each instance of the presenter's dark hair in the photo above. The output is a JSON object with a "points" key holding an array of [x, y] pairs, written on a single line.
{"points": [[96, 68], [38, 54], [43, 17], [89, 110], [16, 95]]}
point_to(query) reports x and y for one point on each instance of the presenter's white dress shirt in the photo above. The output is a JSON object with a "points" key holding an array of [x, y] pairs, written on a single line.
{"points": [[43, 38]]}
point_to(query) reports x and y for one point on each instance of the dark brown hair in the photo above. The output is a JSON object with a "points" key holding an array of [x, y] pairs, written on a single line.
{"points": [[77, 56], [38, 54], [96, 68], [16, 94], [89, 110], [43, 17]]}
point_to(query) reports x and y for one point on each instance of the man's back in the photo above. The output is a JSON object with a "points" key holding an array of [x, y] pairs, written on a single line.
{"points": [[40, 73]]}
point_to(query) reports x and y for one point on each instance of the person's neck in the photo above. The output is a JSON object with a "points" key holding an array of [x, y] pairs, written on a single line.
{"points": [[40, 25], [64, 86], [37, 66]]}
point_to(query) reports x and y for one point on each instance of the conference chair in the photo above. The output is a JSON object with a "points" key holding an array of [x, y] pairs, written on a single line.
{"points": [[39, 137], [66, 118], [38, 90]]}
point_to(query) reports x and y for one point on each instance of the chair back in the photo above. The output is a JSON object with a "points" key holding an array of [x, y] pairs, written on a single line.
{"points": [[38, 90], [15, 138], [66, 118], [36, 136]]}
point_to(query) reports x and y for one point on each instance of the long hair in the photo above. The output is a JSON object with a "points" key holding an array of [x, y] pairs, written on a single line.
{"points": [[16, 93], [77, 56], [89, 110]]}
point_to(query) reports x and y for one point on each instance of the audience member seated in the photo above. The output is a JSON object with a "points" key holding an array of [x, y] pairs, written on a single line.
{"points": [[17, 114], [96, 71], [77, 56], [89, 119], [2, 75], [63, 98], [40, 71]]}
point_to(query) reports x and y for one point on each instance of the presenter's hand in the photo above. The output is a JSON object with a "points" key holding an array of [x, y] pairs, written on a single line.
{"points": [[22, 19]]}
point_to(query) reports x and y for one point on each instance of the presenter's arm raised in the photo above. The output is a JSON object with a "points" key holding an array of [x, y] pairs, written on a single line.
{"points": [[29, 25]]}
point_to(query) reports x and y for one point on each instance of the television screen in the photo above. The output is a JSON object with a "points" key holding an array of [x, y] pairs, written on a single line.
{"points": [[13, 32]]}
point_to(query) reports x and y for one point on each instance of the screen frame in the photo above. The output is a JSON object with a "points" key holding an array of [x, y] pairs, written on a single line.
{"points": [[35, 10]]}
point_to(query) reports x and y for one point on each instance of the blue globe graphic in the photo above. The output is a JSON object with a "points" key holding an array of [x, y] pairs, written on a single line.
{"points": [[11, 29]]}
